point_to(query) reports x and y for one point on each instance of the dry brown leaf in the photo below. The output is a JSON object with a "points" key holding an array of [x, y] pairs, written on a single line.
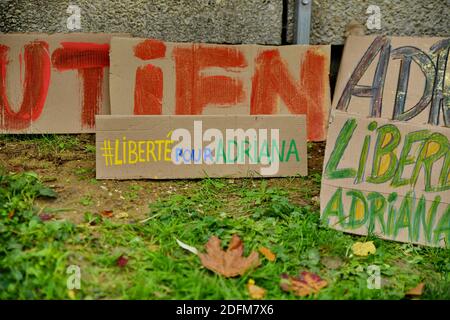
{"points": [[254, 291], [107, 213], [305, 284], [228, 263], [268, 254], [416, 291]]}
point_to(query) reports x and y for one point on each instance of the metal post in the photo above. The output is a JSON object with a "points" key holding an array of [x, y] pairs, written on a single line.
{"points": [[302, 21]]}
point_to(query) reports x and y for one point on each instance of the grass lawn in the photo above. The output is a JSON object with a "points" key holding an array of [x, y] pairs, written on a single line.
{"points": [[54, 214]]}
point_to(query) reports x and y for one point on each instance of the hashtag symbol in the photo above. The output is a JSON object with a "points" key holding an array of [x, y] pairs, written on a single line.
{"points": [[107, 152]]}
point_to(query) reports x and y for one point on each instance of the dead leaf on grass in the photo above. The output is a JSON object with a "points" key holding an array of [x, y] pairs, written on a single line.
{"points": [[416, 291], [187, 247], [254, 291], [71, 294], [122, 261], [228, 263], [363, 249], [268, 254], [107, 213], [122, 215], [305, 284]]}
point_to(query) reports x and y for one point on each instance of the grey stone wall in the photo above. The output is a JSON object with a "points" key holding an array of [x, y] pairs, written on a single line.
{"points": [[224, 21], [398, 17], [218, 21]]}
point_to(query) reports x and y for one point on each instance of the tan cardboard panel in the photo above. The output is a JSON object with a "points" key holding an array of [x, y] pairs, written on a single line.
{"points": [[153, 77], [404, 219], [392, 156], [53, 83], [391, 171], [399, 78], [387, 157], [171, 147]]}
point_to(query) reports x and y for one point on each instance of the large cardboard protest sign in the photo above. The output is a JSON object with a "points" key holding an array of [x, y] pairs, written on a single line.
{"points": [[389, 178], [387, 160], [399, 78], [154, 77], [53, 83], [170, 147]]}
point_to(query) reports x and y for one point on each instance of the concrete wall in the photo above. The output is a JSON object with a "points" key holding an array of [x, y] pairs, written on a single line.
{"points": [[219, 21], [398, 17], [224, 21]]}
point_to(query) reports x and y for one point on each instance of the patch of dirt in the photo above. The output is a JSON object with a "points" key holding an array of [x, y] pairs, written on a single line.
{"points": [[315, 157], [305, 190], [71, 172]]}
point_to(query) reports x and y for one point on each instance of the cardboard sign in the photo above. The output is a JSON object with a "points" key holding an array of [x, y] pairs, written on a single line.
{"points": [[53, 83], [389, 178], [399, 78], [386, 167], [170, 147], [155, 77]]}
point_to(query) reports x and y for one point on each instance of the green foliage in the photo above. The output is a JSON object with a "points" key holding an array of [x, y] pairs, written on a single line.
{"points": [[34, 254], [86, 200], [92, 219], [31, 252], [17, 192], [267, 202], [47, 144]]}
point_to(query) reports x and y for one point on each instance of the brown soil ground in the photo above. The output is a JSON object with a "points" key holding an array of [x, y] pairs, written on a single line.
{"points": [[71, 172]]}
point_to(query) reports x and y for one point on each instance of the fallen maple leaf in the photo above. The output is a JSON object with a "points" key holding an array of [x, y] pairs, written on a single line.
{"points": [[268, 254], [363, 249], [254, 291], [417, 290], [122, 261], [107, 213], [228, 263], [305, 284]]}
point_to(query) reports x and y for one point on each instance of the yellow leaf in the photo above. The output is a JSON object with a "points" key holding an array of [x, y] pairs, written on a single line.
{"points": [[254, 291], [71, 294], [363, 249], [122, 215], [268, 254]]}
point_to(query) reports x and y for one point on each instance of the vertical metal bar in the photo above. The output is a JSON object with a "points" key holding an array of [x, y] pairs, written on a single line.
{"points": [[302, 21]]}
